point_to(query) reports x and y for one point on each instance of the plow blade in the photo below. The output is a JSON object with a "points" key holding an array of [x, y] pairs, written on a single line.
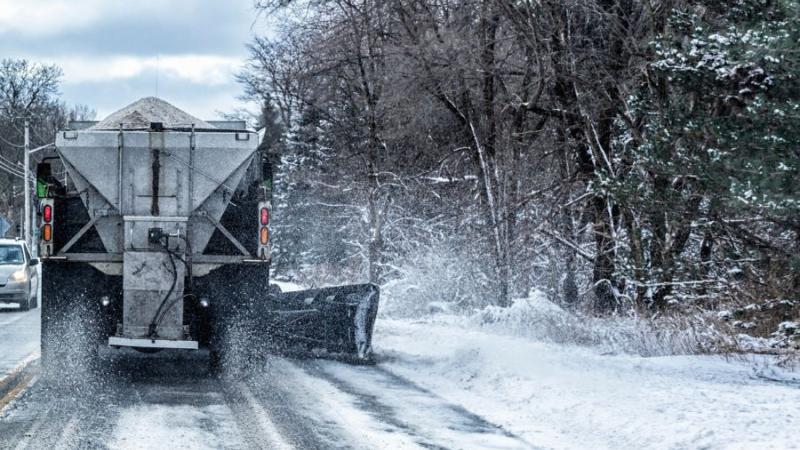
{"points": [[338, 319]]}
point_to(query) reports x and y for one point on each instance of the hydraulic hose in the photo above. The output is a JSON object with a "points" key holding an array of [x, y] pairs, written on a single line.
{"points": [[173, 256], [153, 328]]}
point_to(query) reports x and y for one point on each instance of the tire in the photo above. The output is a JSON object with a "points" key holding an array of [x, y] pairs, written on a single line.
{"points": [[73, 321], [25, 305], [233, 337]]}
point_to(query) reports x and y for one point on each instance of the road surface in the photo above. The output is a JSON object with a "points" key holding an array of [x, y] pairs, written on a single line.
{"points": [[169, 400], [19, 337]]}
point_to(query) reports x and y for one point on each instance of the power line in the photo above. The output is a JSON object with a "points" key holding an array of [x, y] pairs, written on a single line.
{"points": [[12, 168], [10, 164], [10, 171], [8, 161]]}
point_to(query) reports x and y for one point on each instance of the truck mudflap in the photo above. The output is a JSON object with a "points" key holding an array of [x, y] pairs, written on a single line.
{"points": [[338, 319]]}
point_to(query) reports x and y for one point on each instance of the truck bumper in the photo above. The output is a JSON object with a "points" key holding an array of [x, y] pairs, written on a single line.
{"points": [[116, 341]]}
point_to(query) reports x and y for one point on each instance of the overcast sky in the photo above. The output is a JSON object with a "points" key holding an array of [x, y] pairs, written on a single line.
{"points": [[111, 50]]}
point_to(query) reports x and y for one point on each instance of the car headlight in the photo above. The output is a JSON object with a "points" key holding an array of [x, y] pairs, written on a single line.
{"points": [[20, 275]]}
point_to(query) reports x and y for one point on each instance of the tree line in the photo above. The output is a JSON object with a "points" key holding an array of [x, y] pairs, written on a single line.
{"points": [[29, 91], [622, 155]]}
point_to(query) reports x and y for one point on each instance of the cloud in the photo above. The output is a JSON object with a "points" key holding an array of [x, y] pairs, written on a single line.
{"points": [[211, 70], [109, 49], [52, 17], [168, 27], [107, 97], [47, 17]]}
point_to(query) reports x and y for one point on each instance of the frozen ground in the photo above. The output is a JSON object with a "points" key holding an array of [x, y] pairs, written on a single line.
{"points": [[130, 400], [558, 396], [167, 401], [564, 397], [441, 383]]}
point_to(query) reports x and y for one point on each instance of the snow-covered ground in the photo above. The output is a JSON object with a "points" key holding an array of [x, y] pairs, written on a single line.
{"points": [[573, 397], [558, 396], [443, 382]]}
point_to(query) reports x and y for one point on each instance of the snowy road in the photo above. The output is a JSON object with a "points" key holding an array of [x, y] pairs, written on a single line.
{"points": [[169, 400], [19, 337], [438, 384], [160, 401]]}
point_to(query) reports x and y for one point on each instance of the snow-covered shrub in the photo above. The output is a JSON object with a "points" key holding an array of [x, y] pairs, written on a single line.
{"points": [[787, 335], [769, 319], [538, 318], [442, 279]]}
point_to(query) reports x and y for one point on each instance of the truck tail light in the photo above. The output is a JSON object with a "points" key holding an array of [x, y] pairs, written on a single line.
{"points": [[46, 230], [264, 217], [47, 233], [263, 231], [47, 213]]}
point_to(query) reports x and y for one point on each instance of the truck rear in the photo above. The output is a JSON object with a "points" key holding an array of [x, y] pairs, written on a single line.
{"points": [[155, 233]]}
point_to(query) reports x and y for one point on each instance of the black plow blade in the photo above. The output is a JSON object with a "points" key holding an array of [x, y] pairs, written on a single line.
{"points": [[338, 319]]}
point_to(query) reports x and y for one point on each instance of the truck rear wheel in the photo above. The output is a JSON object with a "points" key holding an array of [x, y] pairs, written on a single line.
{"points": [[74, 322], [231, 290]]}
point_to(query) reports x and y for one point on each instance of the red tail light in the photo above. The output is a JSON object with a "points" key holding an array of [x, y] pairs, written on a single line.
{"points": [[264, 216], [47, 213], [263, 231]]}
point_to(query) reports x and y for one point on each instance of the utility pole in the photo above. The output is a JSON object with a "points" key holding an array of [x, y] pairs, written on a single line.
{"points": [[27, 184]]}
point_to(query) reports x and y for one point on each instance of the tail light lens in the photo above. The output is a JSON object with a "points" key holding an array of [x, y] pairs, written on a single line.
{"points": [[264, 216], [263, 249], [47, 223]]}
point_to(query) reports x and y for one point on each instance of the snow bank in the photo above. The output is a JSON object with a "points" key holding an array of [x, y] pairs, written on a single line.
{"points": [[569, 397], [538, 318]]}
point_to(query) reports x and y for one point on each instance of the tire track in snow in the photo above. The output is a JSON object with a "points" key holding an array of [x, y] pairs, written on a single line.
{"points": [[314, 414], [27, 433], [433, 421], [170, 400], [140, 401], [54, 419], [253, 420], [67, 439]]}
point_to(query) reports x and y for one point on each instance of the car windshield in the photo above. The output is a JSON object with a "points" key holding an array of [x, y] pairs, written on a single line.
{"points": [[10, 254]]}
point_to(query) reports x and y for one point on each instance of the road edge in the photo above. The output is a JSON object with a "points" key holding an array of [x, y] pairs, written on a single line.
{"points": [[16, 381]]}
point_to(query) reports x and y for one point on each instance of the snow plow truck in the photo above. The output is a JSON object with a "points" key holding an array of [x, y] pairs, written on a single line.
{"points": [[155, 232]]}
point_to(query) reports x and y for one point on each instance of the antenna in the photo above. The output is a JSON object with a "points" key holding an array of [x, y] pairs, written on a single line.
{"points": [[158, 66]]}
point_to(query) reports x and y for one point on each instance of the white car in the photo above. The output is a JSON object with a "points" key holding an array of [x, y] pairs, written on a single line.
{"points": [[19, 277]]}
